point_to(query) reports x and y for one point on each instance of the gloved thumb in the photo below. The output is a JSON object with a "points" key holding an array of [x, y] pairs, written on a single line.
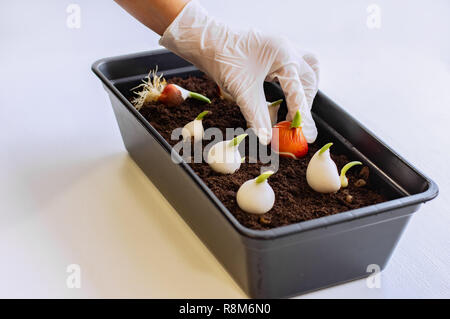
{"points": [[254, 108], [297, 99]]}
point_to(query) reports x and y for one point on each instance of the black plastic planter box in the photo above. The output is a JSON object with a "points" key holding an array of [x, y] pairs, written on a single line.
{"points": [[288, 260]]}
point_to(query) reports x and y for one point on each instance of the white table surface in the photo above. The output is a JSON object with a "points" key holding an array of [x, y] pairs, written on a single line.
{"points": [[70, 194]]}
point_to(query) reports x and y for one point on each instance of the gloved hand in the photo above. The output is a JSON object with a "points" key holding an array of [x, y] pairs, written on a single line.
{"points": [[239, 62]]}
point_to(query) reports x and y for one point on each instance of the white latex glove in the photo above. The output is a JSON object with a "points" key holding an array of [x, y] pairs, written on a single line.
{"points": [[240, 62]]}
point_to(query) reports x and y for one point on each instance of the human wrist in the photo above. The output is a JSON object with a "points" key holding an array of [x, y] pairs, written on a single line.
{"points": [[170, 12], [183, 39]]}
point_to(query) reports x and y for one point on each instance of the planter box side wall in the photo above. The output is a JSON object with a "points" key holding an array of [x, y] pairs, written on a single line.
{"points": [[326, 259]]}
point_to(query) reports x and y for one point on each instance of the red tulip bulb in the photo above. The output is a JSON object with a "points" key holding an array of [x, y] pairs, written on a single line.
{"points": [[288, 139]]}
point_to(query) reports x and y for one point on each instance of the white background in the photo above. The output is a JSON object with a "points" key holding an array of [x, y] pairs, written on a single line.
{"points": [[69, 193]]}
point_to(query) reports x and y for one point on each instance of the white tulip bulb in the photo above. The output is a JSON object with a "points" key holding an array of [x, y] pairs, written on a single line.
{"points": [[194, 128], [273, 110], [224, 157], [322, 173], [256, 196]]}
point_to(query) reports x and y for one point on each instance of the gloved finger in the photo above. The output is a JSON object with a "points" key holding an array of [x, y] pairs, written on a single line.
{"points": [[308, 70], [309, 77], [308, 57], [296, 99], [313, 62], [254, 108]]}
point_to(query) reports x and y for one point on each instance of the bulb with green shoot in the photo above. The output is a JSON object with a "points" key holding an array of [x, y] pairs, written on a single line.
{"points": [[155, 89], [322, 173], [273, 110], [343, 178], [256, 196], [224, 157], [194, 129]]}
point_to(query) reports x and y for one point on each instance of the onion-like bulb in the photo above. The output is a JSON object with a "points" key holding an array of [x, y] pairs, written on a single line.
{"points": [[256, 196]]}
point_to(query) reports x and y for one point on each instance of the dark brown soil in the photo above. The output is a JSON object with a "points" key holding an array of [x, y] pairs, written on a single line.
{"points": [[295, 200]]}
